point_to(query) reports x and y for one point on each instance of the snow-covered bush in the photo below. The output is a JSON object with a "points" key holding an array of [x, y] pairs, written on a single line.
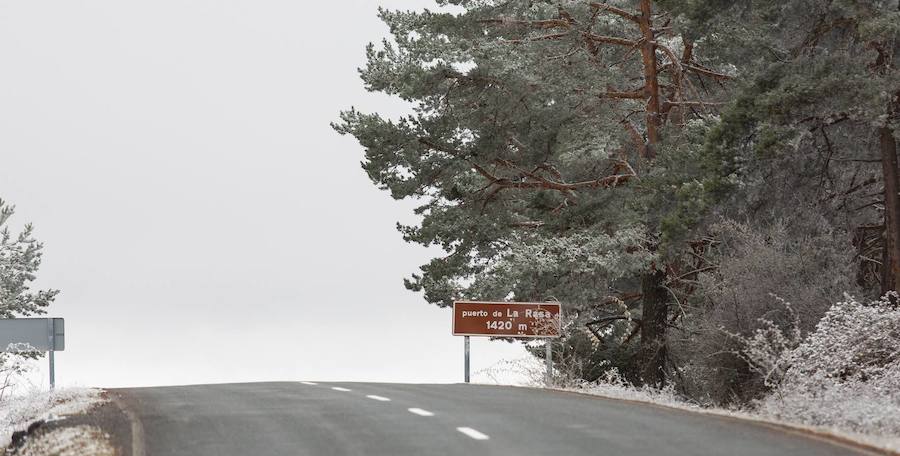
{"points": [[845, 374], [800, 259], [15, 361], [768, 352]]}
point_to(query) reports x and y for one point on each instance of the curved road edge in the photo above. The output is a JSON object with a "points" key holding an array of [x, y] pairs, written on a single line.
{"points": [[815, 433], [133, 407], [137, 429]]}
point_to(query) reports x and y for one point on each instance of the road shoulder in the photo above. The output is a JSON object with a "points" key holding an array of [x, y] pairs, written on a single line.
{"points": [[814, 433]]}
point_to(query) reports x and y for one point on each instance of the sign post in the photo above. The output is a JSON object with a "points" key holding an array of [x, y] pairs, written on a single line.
{"points": [[466, 338], [37, 334], [548, 358], [507, 319]]}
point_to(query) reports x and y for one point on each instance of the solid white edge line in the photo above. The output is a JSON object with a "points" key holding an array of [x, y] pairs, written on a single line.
{"points": [[338, 388], [420, 412], [378, 398], [472, 433], [309, 383]]}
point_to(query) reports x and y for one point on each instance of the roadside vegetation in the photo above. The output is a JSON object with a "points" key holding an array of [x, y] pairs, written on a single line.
{"points": [[20, 259], [710, 188], [24, 407]]}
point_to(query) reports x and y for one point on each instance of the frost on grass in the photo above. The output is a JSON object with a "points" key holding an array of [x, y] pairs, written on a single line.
{"points": [[17, 412], [69, 441], [612, 385]]}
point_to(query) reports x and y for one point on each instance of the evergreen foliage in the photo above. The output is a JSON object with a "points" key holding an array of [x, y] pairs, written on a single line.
{"points": [[641, 162], [20, 258]]}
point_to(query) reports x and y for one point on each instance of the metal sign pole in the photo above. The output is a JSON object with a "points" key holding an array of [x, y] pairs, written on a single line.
{"points": [[467, 359], [52, 371], [39, 334], [548, 357], [52, 342]]}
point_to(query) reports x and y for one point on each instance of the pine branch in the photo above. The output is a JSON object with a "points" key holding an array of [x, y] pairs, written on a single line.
{"points": [[611, 40], [605, 8], [540, 24]]}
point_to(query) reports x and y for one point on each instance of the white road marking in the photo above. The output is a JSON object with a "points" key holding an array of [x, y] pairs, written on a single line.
{"points": [[309, 383], [378, 398], [472, 433], [420, 412], [338, 388]]}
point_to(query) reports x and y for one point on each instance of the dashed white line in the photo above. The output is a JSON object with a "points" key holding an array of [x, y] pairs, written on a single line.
{"points": [[309, 383], [338, 388], [420, 412], [472, 433], [378, 398]]}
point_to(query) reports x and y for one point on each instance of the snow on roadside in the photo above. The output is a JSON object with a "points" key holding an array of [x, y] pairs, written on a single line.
{"points": [[16, 413], [70, 441], [668, 398], [614, 387]]}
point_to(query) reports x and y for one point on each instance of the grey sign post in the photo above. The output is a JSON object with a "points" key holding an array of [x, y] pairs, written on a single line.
{"points": [[466, 362], [38, 334], [548, 358]]}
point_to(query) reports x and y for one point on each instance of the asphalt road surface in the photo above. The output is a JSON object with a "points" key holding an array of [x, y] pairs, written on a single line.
{"points": [[324, 419]]}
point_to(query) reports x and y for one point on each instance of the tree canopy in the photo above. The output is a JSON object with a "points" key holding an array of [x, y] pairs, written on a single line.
{"points": [[623, 157], [20, 258]]}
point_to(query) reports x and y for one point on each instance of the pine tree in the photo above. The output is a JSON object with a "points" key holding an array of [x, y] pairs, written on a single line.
{"points": [[535, 128], [20, 258]]}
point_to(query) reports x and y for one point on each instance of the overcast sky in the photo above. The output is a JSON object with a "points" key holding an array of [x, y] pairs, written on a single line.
{"points": [[200, 217]]}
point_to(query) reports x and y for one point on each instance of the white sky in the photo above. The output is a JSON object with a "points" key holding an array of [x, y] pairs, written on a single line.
{"points": [[201, 218]]}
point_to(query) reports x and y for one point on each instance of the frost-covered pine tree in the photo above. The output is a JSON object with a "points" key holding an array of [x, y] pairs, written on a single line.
{"points": [[537, 133], [20, 258], [797, 180]]}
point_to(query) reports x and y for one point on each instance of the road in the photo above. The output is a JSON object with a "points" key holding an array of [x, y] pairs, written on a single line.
{"points": [[325, 419]]}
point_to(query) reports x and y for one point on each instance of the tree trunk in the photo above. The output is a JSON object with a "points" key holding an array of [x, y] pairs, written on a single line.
{"points": [[654, 306], [651, 80], [655, 311], [890, 268]]}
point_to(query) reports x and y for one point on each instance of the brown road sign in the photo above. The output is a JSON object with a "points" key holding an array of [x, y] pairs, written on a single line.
{"points": [[512, 319]]}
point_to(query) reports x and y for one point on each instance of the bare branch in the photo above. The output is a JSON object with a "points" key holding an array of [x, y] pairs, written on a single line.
{"points": [[603, 7], [537, 181], [695, 103], [707, 72]]}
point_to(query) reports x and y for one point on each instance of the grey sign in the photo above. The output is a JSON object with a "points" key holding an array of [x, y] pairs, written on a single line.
{"points": [[43, 334]]}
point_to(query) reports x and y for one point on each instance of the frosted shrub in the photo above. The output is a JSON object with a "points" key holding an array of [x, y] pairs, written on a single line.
{"points": [[769, 351], [846, 373], [15, 361], [735, 299]]}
